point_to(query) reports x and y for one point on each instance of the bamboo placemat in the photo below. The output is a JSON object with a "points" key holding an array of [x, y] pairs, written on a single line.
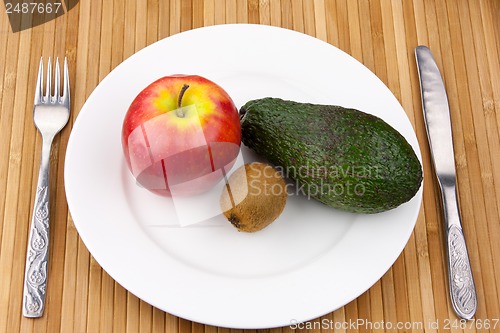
{"points": [[96, 36]]}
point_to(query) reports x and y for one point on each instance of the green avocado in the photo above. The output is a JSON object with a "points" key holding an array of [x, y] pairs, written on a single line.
{"points": [[345, 158]]}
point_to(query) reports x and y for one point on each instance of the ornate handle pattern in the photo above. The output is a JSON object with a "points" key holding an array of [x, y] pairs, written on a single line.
{"points": [[462, 289], [37, 255]]}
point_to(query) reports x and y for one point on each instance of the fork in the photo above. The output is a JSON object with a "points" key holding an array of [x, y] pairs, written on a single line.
{"points": [[50, 114]]}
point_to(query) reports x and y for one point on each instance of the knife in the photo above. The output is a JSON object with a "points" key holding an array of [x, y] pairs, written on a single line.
{"points": [[438, 125]]}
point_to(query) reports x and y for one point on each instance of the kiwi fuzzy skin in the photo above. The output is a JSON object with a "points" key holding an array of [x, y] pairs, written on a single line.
{"points": [[254, 196]]}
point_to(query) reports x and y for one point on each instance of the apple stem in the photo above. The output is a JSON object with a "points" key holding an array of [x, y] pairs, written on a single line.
{"points": [[179, 112], [181, 94]]}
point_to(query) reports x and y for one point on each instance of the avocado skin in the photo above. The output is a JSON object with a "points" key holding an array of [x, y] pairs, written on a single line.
{"points": [[350, 160]]}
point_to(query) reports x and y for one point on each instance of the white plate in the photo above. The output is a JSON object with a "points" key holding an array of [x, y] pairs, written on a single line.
{"points": [[309, 262]]}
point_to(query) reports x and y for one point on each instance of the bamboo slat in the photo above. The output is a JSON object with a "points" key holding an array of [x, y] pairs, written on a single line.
{"points": [[96, 36]]}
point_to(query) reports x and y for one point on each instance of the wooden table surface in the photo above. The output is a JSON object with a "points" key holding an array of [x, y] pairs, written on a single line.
{"points": [[96, 36]]}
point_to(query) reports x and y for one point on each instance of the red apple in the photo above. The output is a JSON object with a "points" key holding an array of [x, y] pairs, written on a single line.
{"points": [[180, 134]]}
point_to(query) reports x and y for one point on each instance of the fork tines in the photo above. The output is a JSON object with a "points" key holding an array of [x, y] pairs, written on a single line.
{"points": [[40, 97]]}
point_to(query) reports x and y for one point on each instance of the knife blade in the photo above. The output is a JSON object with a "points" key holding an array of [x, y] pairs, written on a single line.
{"points": [[438, 125]]}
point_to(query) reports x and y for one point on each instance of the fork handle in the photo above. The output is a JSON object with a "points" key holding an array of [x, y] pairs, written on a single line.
{"points": [[37, 255]]}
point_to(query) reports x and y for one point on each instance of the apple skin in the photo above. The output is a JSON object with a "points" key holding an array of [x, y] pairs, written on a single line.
{"points": [[181, 151]]}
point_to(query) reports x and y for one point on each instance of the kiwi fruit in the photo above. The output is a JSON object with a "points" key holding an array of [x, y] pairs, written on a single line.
{"points": [[254, 196]]}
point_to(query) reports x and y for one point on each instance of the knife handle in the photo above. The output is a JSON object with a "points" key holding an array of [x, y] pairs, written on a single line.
{"points": [[461, 282]]}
